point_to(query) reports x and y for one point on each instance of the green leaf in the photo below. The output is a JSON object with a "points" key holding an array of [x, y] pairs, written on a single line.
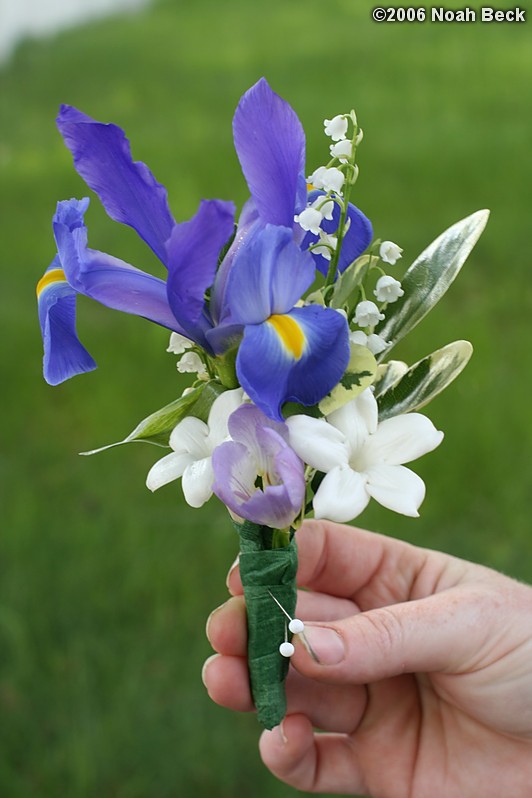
{"points": [[424, 380], [430, 276], [388, 374], [156, 428], [359, 375], [348, 282]]}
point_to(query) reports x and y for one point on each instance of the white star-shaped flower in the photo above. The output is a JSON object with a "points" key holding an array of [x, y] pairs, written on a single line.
{"points": [[363, 459], [193, 443]]}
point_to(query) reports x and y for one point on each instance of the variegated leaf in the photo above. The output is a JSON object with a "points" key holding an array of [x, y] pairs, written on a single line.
{"points": [[359, 375], [430, 276], [424, 380]]}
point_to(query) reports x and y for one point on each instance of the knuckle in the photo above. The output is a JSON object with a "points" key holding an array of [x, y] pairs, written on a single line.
{"points": [[383, 631]]}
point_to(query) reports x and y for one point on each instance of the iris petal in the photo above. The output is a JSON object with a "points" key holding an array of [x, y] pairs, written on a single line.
{"points": [[268, 276], [271, 373], [127, 189], [109, 280], [193, 251], [357, 238], [64, 355], [270, 143], [248, 223]]}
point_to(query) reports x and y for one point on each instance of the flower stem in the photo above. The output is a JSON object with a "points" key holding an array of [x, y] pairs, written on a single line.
{"points": [[352, 174], [280, 538]]}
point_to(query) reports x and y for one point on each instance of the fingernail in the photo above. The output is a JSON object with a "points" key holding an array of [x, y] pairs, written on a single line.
{"points": [[205, 667], [209, 619], [232, 568], [284, 738], [279, 733], [325, 644]]}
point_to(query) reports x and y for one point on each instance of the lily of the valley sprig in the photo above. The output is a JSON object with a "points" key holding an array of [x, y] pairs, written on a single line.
{"points": [[284, 321]]}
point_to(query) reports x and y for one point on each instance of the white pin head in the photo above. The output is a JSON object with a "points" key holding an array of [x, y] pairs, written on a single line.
{"points": [[296, 626], [286, 649]]}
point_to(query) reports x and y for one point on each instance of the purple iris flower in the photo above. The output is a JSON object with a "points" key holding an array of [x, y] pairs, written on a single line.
{"points": [[130, 194], [286, 353], [259, 453]]}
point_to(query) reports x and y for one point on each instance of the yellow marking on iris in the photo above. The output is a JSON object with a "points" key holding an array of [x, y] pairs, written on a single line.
{"points": [[290, 333], [310, 187], [53, 276]]}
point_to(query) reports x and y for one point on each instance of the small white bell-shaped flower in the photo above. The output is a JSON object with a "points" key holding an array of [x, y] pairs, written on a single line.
{"points": [[375, 343], [336, 127], [178, 344], [342, 150], [390, 252], [310, 219], [326, 246], [367, 314], [324, 206], [388, 289], [329, 179], [191, 363]]}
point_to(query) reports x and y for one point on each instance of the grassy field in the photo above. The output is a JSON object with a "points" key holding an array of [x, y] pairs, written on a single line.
{"points": [[105, 588]]}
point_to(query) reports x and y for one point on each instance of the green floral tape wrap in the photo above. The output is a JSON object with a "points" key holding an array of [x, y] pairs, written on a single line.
{"points": [[265, 570]]}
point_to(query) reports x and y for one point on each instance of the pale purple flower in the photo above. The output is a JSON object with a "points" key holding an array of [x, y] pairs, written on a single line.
{"points": [[256, 474]]}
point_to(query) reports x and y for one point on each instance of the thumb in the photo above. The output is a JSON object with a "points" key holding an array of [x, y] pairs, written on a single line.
{"points": [[444, 632]]}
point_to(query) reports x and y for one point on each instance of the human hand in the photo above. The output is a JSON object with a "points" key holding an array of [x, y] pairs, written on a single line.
{"points": [[423, 676]]}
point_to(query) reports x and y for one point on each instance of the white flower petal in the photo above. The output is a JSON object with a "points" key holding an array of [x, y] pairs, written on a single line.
{"points": [[376, 344], [167, 469], [191, 363], [178, 344], [401, 439], [190, 435], [341, 496], [317, 443], [324, 206], [367, 406], [396, 488], [332, 180], [352, 424], [198, 479], [336, 127], [342, 150], [309, 219], [358, 337], [367, 314], [221, 409], [390, 252], [388, 289], [357, 419]]}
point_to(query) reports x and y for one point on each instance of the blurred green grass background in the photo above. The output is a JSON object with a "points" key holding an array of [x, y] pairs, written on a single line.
{"points": [[105, 588]]}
